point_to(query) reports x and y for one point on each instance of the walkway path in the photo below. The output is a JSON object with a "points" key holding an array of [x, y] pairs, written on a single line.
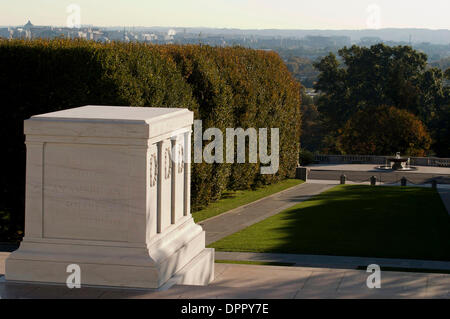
{"points": [[235, 220], [339, 262]]}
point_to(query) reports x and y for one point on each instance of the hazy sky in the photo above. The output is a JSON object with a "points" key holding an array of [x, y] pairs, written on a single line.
{"points": [[244, 14]]}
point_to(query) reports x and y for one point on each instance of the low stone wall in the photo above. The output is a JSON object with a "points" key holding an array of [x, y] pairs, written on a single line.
{"points": [[379, 160], [413, 178]]}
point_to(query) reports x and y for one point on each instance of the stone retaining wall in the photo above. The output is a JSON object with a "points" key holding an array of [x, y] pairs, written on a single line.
{"points": [[379, 160]]}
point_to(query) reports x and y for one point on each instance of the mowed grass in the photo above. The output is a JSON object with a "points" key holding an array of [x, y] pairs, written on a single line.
{"points": [[385, 222], [234, 199]]}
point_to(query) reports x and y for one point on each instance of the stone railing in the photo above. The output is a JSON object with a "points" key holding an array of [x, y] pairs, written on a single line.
{"points": [[430, 161], [372, 159]]}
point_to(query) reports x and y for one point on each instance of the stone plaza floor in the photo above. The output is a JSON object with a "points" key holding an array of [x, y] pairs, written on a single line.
{"points": [[233, 281]]}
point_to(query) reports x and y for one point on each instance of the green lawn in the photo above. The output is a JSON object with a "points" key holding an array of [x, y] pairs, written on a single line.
{"points": [[235, 199], [389, 222]]}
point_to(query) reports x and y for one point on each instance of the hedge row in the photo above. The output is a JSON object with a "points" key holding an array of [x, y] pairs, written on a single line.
{"points": [[225, 87]]}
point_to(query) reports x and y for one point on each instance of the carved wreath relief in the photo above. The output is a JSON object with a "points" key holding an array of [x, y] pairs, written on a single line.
{"points": [[167, 163], [180, 159], [153, 170]]}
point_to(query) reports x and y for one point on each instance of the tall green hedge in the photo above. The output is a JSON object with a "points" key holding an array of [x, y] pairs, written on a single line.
{"points": [[225, 87]]}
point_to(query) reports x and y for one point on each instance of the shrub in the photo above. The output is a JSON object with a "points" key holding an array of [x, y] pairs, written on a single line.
{"points": [[306, 158], [44, 76], [225, 87]]}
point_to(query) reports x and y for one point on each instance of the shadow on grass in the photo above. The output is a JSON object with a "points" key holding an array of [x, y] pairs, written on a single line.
{"points": [[384, 222]]}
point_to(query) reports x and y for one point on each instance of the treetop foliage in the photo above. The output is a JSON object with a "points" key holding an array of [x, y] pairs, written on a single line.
{"points": [[384, 130], [363, 78]]}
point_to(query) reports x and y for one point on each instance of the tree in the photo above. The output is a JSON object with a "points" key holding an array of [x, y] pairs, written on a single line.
{"points": [[312, 132], [441, 124], [303, 70], [384, 130], [332, 104], [447, 74], [379, 75], [441, 132]]}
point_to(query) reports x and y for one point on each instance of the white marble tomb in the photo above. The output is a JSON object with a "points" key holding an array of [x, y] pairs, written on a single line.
{"points": [[108, 189]]}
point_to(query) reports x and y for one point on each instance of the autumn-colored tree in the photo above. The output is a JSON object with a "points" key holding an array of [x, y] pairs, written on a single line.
{"points": [[447, 74], [384, 130]]}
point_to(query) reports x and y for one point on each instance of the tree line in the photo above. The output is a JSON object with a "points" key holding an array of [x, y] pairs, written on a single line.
{"points": [[378, 100]]}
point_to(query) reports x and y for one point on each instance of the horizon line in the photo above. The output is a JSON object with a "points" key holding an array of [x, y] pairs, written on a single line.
{"points": [[232, 28]]}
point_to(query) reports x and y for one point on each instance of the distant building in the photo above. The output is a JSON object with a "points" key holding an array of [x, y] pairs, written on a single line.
{"points": [[369, 41], [149, 37], [311, 92], [28, 25], [5, 33]]}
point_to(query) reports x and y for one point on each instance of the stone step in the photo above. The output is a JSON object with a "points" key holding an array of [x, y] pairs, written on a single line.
{"points": [[198, 272]]}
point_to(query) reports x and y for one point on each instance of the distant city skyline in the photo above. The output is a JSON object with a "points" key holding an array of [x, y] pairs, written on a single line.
{"points": [[239, 14]]}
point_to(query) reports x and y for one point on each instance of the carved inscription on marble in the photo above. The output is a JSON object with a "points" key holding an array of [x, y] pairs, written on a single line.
{"points": [[85, 192]]}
